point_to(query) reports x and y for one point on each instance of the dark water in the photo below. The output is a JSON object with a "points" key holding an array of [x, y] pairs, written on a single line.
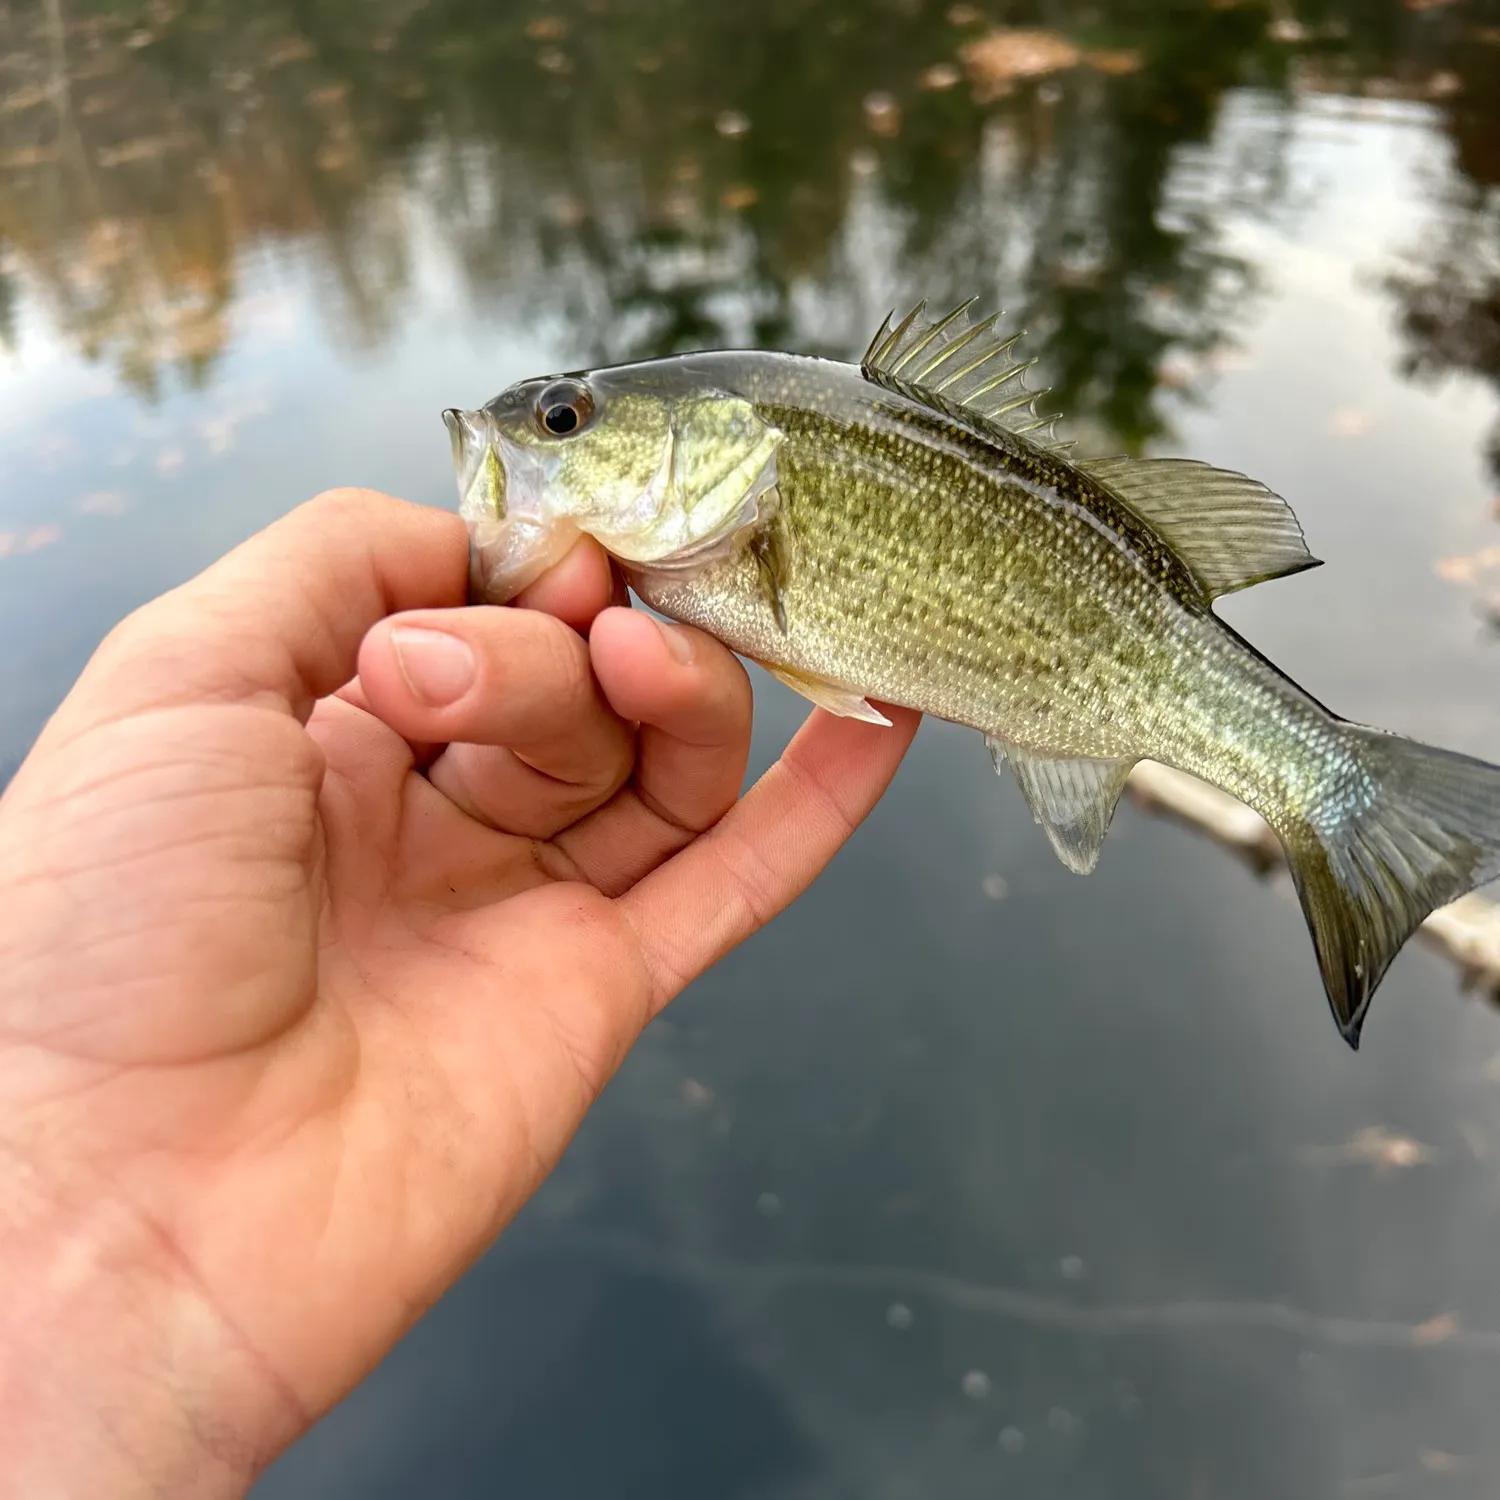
{"points": [[923, 1193]]}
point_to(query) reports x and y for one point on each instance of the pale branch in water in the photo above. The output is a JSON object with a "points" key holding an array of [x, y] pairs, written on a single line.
{"points": [[1441, 1334], [1468, 931]]}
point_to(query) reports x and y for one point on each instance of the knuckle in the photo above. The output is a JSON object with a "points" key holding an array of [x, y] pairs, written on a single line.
{"points": [[755, 886], [349, 502]]}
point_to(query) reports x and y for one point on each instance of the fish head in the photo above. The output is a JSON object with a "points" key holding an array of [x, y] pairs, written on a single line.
{"points": [[666, 470]]}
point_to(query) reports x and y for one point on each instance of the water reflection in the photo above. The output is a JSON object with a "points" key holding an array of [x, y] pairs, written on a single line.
{"points": [[655, 177], [245, 253]]}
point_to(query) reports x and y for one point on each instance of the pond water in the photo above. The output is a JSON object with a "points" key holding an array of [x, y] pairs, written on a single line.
{"points": [[967, 1178]]}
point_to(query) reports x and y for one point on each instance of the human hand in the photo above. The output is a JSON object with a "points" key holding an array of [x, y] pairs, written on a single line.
{"points": [[306, 982]]}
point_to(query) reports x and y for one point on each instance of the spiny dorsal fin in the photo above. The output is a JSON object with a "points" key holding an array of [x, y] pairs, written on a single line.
{"points": [[1230, 530], [1073, 800], [967, 364]]}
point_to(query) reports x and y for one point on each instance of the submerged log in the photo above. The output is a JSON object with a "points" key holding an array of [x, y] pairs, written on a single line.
{"points": [[1468, 931]]}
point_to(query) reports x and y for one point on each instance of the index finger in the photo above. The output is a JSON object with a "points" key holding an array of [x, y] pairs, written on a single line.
{"points": [[766, 850], [280, 619]]}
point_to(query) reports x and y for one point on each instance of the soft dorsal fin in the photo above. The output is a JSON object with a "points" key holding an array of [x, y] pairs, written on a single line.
{"points": [[1230, 530], [966, 364], [1073, 800]]}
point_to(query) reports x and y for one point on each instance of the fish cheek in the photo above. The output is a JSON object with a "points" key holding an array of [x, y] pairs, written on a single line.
{"points": [[611, 476]]}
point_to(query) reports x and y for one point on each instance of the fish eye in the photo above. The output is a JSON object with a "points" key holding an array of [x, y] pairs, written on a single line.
{"points": [[564, 407]]}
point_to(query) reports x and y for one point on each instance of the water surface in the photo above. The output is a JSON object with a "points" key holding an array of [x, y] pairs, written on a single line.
{"points": [[967, 1177]]}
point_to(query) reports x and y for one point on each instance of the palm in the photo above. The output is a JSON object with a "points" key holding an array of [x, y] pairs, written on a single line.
{"points": [[307, 990]]}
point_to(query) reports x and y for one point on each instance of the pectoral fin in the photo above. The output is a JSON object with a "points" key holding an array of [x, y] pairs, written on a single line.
{"points": [[1073, 800], [844, 702]]}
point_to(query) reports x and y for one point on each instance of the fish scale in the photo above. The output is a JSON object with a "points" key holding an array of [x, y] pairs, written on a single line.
{"points": [[906, 531], [989, 630]]}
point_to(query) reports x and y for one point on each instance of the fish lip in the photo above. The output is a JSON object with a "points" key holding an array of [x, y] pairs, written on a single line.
{"points": [[473, 437], [513, 537]]}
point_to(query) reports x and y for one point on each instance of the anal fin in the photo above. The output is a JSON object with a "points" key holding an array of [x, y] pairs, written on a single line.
{"points": [[844, 702], [1073, 800]]}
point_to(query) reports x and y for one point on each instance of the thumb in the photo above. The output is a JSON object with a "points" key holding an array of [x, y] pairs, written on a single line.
{"points": [[280, 619]]}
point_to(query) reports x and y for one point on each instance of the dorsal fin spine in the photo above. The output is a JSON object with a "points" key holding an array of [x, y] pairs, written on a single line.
{"points": [[955, 364], [932, 333]]}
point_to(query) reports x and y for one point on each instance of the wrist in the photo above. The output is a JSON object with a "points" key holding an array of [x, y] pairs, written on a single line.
{"points": [[118, 1375]]}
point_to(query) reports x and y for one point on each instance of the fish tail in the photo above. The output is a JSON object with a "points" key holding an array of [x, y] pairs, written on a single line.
{"points": [[1412, 829]]}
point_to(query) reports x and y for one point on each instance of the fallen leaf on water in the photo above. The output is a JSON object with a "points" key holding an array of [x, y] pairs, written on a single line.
{"points": [[24, 98], [882, 114], [999, 58], [1435, 1461], [697, 1095], [939, 76], [1374, 1146], [1117, 62], [741, 195], [20, 543], [1436, 1330], [566, 211], [1466, 569], [146, 148], [288, 50], [1229, 357], [27, 156], [104, 503], [1176, 371]]}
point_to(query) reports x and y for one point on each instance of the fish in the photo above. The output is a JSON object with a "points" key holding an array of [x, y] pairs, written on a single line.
{"points": [[908, 530]]}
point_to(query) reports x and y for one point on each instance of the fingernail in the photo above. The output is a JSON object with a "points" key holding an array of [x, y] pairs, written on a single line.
{"points": [[679, 642], [438, 668]]}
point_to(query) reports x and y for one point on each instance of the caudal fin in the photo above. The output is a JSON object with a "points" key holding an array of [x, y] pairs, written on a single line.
{"points": [[1423, 829]]}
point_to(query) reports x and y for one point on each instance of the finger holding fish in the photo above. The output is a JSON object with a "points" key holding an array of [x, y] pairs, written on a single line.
{"points": [[576, 589], [693, 703], [531, 743], [768, 848]]}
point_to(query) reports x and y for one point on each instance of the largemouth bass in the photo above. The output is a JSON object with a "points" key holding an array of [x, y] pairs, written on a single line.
{"points": [[908, 530]]}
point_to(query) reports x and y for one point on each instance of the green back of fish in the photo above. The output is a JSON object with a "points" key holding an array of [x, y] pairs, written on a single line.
{"points": [[967, 573]]}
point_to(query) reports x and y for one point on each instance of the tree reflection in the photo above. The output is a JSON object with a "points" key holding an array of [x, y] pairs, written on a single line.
{"points": [[1447, 295], [657, 176]]}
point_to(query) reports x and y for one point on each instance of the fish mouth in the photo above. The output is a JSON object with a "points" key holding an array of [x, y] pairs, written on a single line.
{"points": [[501, 492], [481, 477]]}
